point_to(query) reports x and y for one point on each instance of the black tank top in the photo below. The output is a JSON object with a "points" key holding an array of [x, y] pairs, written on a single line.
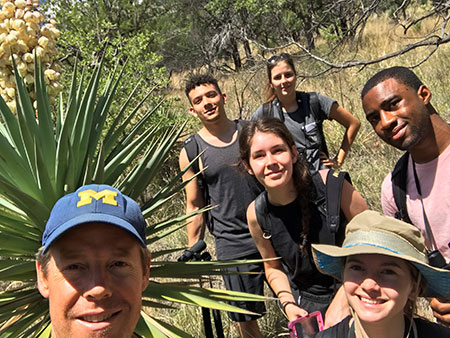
{"points": [[286, 227]]}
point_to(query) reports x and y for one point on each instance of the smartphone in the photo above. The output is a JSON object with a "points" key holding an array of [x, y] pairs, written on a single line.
{"points": [[307, 326]]}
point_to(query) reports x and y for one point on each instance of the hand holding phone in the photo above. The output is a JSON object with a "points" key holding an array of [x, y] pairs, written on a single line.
{"points": [[307, 326]]}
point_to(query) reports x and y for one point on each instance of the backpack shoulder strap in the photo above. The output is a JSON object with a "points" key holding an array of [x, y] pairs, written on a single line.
{"points": [[310, 105], [261, 212], [240, 124], [335, 182], [314, 105], [319, 197], [192, 151], [398, 179], [267, 109]]}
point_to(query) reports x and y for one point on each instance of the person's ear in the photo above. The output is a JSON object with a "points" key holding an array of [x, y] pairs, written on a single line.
{"points": [[42, 282], [415, 289], [424, 94], [146, 277], [248, 168], [193, 112], [224, 98], [294, 154]]}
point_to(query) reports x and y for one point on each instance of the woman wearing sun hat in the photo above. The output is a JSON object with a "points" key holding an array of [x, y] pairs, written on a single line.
{"points": [[383, 267]]}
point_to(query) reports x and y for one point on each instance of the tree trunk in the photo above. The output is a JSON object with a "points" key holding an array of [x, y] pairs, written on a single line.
{"points": [[248, 54], [235, 55]]}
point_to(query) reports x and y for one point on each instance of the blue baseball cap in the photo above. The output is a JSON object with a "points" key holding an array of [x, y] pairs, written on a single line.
{"points": [[98, 203]]}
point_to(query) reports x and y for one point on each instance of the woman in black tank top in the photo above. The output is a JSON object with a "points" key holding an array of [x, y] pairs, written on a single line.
{"points": [[268, 152]]}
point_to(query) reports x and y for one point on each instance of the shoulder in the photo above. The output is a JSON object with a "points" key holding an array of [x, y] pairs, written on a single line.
{"points": [[258, 113], [323, 100], [189, 151], [386, 186], [251, 214], [321, 104], [340, 330], [190, 144], [252, 221], [426, 328], [387, 197]]}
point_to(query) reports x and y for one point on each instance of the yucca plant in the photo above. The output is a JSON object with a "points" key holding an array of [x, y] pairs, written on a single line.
{"points": [[44, 156]]}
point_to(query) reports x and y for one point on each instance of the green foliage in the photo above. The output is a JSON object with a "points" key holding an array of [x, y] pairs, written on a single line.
{"points": [[96, 29]]}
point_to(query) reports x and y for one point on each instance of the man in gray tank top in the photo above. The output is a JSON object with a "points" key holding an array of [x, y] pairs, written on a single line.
{"points": [[227, 189]]}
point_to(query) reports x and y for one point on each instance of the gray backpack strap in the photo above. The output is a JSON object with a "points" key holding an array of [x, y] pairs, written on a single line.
{"points": [[267, 109], [240, 124]]}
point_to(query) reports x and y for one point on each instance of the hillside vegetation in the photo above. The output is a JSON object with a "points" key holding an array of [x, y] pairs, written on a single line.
{"points": [[370, 159]]}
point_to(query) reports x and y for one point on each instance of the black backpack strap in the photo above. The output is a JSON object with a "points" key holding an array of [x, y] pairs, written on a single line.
{"points": [[314, 105], [315, 109], [261, 212], [398, 179], [335, 182], [318, 198], [192, 151]]}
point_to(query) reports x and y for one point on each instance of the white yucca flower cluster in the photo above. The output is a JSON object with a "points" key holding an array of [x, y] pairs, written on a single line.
{"points": [[25, 32]]}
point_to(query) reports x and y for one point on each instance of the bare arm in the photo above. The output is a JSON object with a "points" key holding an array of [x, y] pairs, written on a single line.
{"points": [[338, 309], [351, 124], [276, 277], [441, 310], [194, 201]]}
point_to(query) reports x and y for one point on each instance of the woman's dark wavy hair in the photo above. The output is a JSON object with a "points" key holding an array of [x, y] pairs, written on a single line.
{"points": [[300, 175], [271, 63]]}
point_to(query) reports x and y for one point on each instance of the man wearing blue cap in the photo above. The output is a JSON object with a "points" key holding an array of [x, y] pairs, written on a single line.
{"points": [[94, 264]]}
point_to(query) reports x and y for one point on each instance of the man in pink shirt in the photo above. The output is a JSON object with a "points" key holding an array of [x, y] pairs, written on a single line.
{"points": [[397, 105]]}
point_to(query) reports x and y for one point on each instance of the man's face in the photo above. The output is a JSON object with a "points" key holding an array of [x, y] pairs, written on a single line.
{"points": [[94, 282], [398, 113], [207, 102]]}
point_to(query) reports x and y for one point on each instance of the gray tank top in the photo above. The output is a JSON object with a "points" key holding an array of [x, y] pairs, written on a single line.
{"points": [[229, 189]]}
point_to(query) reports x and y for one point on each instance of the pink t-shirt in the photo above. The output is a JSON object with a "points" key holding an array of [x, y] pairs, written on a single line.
{"points": [[434, 178]]}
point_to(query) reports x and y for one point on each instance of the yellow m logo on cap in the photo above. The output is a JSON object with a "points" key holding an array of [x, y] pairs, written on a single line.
{"points": [[86, 196]]}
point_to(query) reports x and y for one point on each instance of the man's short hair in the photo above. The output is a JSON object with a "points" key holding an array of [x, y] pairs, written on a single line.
{"points": [[196, 80], [401, 74]]}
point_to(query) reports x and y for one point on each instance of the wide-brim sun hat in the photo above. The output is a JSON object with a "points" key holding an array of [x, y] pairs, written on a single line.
{"points": [[371, 232]]}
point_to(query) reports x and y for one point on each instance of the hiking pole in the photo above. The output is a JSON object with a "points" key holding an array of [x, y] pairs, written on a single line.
{"points": [[194, 254]]}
